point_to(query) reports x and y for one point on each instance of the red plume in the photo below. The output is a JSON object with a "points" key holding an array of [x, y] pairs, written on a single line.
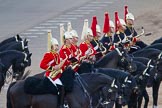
{"points": [[106, 28], [125, 12], [93, 26], [117, 22]]}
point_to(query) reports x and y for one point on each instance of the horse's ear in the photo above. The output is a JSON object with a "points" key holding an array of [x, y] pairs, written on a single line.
{"points": [[30, 55], [25, 42], [18, 37]]}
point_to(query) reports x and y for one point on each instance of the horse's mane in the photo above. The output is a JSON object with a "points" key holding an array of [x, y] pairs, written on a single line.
{"points": [[157, 41], [10, 52], [85, 68], [115, 73], [105, 59], [94, 76], [140, 68], [152, 51]]}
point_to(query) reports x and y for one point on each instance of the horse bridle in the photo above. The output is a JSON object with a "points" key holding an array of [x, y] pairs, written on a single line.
{"points": [[8, 71], [83, 84]]}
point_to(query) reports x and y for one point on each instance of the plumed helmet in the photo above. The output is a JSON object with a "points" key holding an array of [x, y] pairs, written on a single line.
{"points": [[49, 40], [93, 25], [106, 27], [122, 22], [54, 41], [130, 16], [67, 35], [89, 32], [111, 23], [62, 31], [85, 27], [98, 28], [74, 33], [69, 26]]}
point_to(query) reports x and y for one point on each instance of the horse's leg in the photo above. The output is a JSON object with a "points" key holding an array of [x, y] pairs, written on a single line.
{"points": [[140, 98], [156, 86], [1, 81], [117, 105], [146, 96]]}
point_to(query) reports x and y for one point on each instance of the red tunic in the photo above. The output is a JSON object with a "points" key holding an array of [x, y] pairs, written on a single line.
{"points": [[50, 59], [69, 52], [84, 47]]}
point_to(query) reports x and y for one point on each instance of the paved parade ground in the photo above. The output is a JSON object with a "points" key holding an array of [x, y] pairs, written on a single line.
{"points": [[146, 14]]}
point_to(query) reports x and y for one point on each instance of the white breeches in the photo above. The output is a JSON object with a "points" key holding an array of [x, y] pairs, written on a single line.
{"points": [[57, 81]]}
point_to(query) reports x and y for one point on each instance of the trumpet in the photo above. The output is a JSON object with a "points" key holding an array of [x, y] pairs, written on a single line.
{"points": [[54, 73]]}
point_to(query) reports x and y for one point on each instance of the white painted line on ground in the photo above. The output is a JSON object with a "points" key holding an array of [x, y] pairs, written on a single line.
{"points": [[83, 10], [88, 7], [30, 36], [98, 5], [46, 24], [57, 21], [106, 2], [40, 33], [65, 18], [75, 13], [35, 30], [42, 27], [72, 16]]}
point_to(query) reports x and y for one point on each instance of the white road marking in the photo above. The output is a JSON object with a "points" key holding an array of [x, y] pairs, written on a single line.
{"points": [[98, 5], [81, 10], [39, 33], [35, 30], [66, 18], [106, 2], [75, 13], [88, 7], [56, 21], [43, 27], [30, 36], [72, 16]]}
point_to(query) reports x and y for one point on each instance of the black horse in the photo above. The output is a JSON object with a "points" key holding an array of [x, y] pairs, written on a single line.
{"points": [[155, 55], [142, 75], [117, 59], [11, 39], [19, 46], [157, 41], [18, 60], [80, 97]]}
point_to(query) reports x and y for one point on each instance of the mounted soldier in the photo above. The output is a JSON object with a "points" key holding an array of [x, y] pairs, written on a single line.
{"points": [[88, 51], [52, 63], [120, 39], [67, 50], [100, 49], [130, 30], [74, 34], [108, 30]]}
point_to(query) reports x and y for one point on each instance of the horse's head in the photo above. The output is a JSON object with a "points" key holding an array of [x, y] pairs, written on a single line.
{"points": [[85, 67], [129, 85], [125, 61], [25, 46], [20, 64], [110, 94]]}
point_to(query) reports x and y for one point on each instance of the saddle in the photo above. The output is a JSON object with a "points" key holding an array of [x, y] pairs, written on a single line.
{"points": [[38, 86]]}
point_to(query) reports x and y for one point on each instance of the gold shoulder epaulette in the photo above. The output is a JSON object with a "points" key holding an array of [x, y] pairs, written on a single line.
{"points": [[117, 32], [64, 47]]}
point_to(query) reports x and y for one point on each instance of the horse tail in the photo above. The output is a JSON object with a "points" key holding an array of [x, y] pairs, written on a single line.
{"points": [[9, 105], [25, 75]]}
